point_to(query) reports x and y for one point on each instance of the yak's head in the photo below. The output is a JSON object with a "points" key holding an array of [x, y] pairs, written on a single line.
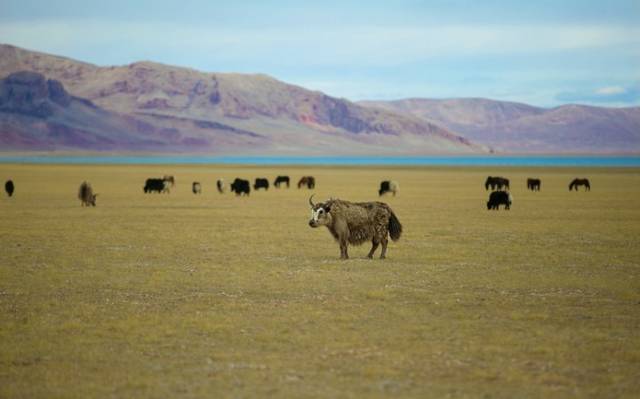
{"points": [[487, 182], [320, 213], [93, 199]]}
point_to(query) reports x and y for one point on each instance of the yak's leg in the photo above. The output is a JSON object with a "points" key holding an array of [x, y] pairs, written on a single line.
{"points": [[384, 242], [343, 250], [374, 246]]}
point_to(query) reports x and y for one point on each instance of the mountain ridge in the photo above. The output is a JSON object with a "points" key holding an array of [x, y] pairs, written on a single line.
{"points": [[257, 113], [521, 128], [291, 118]]}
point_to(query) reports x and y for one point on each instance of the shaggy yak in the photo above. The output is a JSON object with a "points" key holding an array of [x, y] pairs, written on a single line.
{"points": [[498, 198], [158, 185], [388, 186], [533, 184], [261, 182], [280, 180], [240, 186], [169, 179], [220, 185], [580, 182], [86, 195], [9, 187], [496, 182], [308, 181], [196, 187], [356, 222]]}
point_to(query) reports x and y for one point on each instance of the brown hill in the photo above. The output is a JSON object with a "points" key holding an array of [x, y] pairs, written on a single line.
{"points": [[236, 112], [39, 114], [514, 127]]}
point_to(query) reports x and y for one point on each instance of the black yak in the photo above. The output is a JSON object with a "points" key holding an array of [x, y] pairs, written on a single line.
{"points": [[281, 179], [580, 182], [496, 182], [9, 187], [533, 184], [241, 186], [157, 185], [498, 198], [261, 183]]}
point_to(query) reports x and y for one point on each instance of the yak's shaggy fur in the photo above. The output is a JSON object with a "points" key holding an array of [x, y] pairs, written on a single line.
{"points": [[9, 187], [86, 195], [534, 184], [496, 182], [356, 223]]}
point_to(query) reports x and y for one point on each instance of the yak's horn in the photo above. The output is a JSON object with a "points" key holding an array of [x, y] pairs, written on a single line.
{"points": [[311, 202]]}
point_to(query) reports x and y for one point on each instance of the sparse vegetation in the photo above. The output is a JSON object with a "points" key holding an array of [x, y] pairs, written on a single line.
{"points": [[210, 295]]}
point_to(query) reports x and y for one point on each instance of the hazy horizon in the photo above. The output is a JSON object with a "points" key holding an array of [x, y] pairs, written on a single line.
{"points": [[543, 54]]}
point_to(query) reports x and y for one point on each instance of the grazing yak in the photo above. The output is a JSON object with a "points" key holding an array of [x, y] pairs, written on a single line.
{"points": [[9, 187], [196, 187], [261, 183], [169, 179], [308, 181], [86, 195], [498, 198], [496, 182], [220, 185], [533, 184], [388, 186], [240, 186], [355, 223], [281, 179], [580, 182], [157, 185]]}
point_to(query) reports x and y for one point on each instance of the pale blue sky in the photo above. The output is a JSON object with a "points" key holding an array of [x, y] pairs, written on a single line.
{"points": [[540, 52]]}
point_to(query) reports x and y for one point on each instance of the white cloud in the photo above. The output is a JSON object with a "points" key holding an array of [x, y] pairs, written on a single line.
{"points": [[610, 90]]}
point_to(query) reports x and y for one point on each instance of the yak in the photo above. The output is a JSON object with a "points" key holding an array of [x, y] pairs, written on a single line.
{"points": [[9, 187], [240, 186], [158, 185], [496, 182], [261, 183], [356, 222], [281, 179], [497, 198], [196, 187], [580, 182], [388, 186], [220, 185], [308, 181], [169, 179], [86, 195], [533, 184]]}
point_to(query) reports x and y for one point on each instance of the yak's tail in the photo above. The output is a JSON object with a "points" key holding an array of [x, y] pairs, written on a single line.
{"points": [[395, 228]]}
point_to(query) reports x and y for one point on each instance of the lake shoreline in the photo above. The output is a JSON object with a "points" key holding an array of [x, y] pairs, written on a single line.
{"points": [[624, 161]]}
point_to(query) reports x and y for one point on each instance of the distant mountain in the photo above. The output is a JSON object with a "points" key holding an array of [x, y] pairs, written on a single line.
{"points": [[38, 114], [182, 109], [514, 127]]}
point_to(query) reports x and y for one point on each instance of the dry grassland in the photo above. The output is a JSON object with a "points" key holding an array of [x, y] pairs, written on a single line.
{"points": [[178, 295]]}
